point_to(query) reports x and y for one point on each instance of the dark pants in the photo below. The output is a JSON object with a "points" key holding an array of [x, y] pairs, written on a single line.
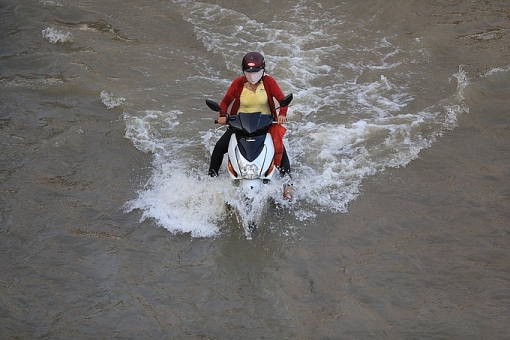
{"points": [[221, 148]]}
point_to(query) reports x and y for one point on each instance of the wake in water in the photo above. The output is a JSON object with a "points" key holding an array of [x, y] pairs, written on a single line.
{"points": [[180, 195], [348, 121]]}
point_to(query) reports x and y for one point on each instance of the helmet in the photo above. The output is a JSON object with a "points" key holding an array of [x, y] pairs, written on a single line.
{"points": [[253, 62]]}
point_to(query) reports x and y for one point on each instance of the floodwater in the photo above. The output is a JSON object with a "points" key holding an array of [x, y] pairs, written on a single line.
{"points": [[399, 139]]}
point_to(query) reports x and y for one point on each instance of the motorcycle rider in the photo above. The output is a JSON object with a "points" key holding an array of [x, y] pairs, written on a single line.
{"points": [[254, 91]]}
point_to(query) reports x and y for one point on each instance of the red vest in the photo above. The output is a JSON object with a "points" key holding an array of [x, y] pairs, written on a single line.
{"points": [[232, 100]]}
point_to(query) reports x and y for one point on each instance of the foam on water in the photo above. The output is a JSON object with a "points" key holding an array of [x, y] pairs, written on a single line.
{"points": [[54, 35], [51, 3], [110, 100], [349, 120]]}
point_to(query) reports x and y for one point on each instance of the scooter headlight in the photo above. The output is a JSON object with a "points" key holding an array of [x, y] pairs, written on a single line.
{"points": [[250, 171]]}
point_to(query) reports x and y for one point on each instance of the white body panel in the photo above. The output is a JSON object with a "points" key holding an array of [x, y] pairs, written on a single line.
{"points": [[251, 174]]}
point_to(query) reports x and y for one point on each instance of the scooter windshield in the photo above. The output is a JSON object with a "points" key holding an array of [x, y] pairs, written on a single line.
{"points": [[250, 123]]}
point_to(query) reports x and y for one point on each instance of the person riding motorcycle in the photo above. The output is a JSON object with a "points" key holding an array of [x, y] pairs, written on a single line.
{"points": [[254, 91]]}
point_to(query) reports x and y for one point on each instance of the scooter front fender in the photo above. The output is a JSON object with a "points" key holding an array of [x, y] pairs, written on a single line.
{"points": [[251, 183]]}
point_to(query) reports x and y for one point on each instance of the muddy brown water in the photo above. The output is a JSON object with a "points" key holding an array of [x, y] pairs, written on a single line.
{"points": [[422, 253]]}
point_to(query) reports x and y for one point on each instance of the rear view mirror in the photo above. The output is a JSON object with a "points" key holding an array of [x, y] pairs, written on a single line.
{"points": [[286, 100], [213, 105]]}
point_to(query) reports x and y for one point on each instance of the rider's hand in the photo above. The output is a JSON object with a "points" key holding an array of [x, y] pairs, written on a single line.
{"points": [[222, 120], [282, 120]]}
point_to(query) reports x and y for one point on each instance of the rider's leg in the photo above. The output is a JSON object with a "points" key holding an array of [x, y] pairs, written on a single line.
{"points": [[220, 149], [285, 172]]}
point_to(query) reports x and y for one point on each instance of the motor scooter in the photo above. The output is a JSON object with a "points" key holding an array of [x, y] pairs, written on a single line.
{"points": [[251, 151]]}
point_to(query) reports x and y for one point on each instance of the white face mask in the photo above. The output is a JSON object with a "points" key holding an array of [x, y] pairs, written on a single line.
{"points": [[254, 77]]}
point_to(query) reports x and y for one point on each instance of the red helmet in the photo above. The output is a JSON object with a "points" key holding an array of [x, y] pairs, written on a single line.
{"points": [[253, 62]]}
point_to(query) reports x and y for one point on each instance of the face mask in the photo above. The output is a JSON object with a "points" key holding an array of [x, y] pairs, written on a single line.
{"points": [[254, 77]]}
